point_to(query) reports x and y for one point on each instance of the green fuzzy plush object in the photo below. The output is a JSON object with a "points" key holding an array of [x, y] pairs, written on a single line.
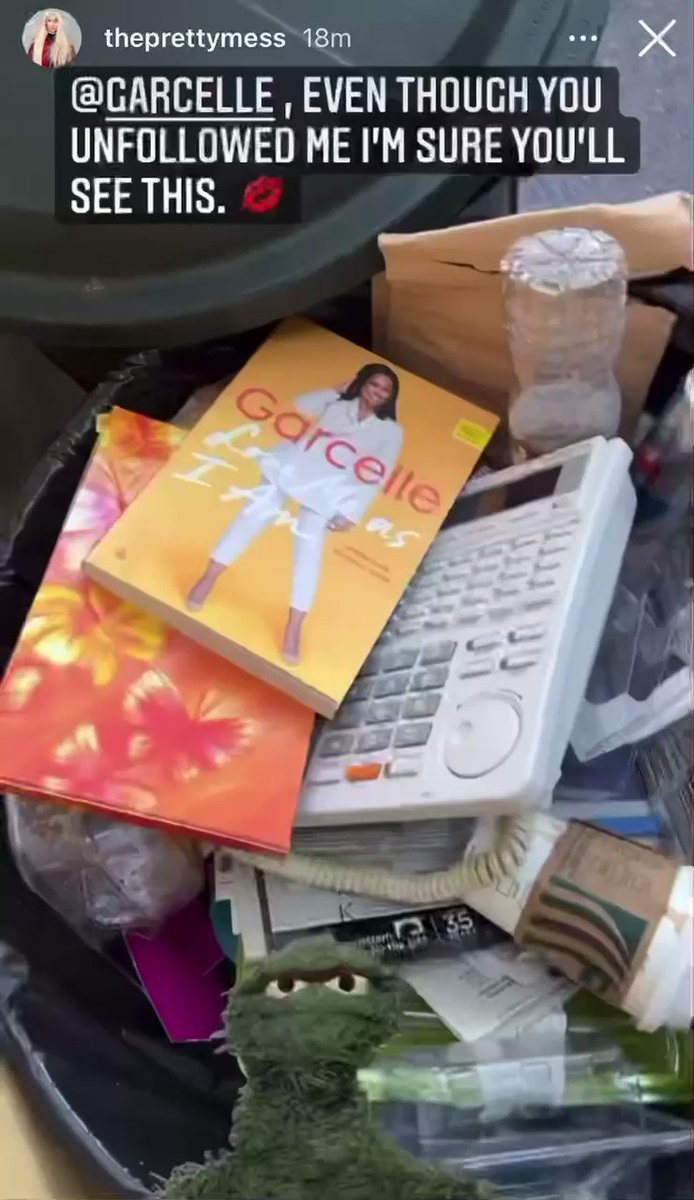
{"points": [[302, 1023]]}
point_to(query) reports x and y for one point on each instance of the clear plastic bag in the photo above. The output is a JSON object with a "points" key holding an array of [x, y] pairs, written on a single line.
{"points": [[101, 875], [600, 1152], [556, 1110], [641, 681]]}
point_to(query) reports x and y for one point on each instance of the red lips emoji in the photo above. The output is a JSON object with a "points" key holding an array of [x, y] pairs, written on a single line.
{"points": [[263, 194]]}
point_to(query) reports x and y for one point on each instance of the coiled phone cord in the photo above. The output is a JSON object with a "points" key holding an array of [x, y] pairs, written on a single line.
{"points": [[474, 870]]}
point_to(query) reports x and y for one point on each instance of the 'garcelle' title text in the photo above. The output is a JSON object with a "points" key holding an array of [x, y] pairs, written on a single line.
{"points": [[401, 483]]}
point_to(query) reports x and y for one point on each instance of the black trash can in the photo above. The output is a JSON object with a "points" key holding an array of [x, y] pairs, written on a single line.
{"points": [[76, 1026]]}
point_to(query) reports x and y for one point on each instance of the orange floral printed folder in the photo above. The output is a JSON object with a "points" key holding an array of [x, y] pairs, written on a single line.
{"points": [[105, 706]]}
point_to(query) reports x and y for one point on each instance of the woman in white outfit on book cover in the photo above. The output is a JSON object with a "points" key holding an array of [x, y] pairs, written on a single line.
{"points": [[361, 418]]}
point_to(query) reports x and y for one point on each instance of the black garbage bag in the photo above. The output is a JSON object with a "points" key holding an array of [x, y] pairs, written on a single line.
{"points": [[72, 1020]]}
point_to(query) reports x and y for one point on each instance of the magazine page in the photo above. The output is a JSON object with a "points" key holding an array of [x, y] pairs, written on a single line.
{"points": [[105, 705]]}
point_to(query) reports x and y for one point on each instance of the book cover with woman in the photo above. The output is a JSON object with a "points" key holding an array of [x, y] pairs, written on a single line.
{"points": [[330, 500], [286, 528]]}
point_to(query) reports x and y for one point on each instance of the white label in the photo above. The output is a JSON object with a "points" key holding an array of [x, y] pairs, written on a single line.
{"points": [[480, 993], [223, 875], [525, 1067], [294, 906]]}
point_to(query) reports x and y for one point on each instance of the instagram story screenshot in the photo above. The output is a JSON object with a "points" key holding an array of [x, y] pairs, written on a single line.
{"points": [[346, 694]]}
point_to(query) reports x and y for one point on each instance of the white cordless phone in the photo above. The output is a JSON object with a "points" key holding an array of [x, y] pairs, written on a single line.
{"points": [[466, 705]]}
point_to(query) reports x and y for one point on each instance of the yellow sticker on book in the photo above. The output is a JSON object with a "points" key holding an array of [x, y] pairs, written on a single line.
{"points": [[472, 433]]}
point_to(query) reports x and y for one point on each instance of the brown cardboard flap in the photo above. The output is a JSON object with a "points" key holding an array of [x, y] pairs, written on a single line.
{"points": [[438, 310]]}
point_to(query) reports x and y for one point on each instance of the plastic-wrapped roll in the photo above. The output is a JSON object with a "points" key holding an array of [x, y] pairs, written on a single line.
{"points": [[612, 915]]}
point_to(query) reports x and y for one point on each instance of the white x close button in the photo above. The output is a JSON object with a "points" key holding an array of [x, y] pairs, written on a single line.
{"points": [[658, 39]]}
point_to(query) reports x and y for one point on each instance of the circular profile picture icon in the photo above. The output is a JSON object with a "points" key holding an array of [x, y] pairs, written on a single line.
{"points": [[52, 38]]}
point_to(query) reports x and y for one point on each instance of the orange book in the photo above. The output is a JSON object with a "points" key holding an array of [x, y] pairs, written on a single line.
{"points": [[104, 705], [284, 531]]}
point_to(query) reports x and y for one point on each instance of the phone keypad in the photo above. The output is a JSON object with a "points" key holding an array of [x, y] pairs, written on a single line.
{"points": [[366, 726], [464, 589], [493, 580]]}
